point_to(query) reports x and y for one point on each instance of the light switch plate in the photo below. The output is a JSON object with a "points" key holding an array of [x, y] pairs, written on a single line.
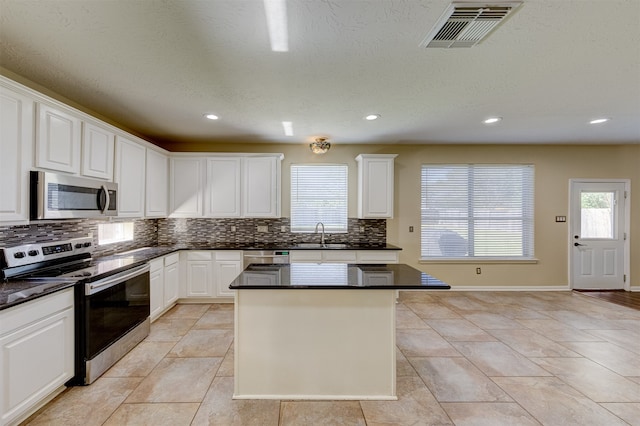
{"points": [[561, 218]]}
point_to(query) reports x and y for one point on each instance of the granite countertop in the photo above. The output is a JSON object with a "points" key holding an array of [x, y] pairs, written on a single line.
{"points": [[16, 291], [335, 276]]}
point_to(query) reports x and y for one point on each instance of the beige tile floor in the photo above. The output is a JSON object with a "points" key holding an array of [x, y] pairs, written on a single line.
{"points": [[463, 358]]}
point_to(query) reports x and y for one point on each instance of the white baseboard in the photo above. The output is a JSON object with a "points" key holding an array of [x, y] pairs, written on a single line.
{"points": [[504, 288], [634, 288]]}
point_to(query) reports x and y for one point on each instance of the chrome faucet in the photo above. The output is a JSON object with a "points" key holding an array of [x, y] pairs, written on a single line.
{"points": [[322, 235]]}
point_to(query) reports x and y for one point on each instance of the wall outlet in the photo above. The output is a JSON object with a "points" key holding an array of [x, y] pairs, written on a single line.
{"points": [[411, 229], [263, 228], [362, 229], [233, 228], [478, 271], [283, 228]]}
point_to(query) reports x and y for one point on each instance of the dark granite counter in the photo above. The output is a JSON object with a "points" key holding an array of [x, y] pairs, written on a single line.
{"points": [[14, 292], [335, 276]]}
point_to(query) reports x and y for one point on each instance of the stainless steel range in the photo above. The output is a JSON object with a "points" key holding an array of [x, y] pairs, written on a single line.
{"points": [[112, 301]]}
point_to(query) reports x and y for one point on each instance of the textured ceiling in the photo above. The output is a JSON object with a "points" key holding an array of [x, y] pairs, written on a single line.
{"points": [[156, 66]]}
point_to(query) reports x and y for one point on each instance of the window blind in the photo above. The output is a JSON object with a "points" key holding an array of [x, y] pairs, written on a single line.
{"points": [[477, 211], [319, 194]]}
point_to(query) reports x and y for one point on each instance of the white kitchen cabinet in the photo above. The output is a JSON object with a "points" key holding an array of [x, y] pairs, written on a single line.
{"points": [[199, 274], [164, 274], [227, 267], [171, 279], [97, 151], [186, 185], [130, 176], [157, 184], [16, 146], [156, 287], [36, 353], [223, 187], [375, 185], [261, 186], [58, 133]]}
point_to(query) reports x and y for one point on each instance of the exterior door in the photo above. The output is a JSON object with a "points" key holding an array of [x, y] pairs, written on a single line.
{"points": [[598, 234]]}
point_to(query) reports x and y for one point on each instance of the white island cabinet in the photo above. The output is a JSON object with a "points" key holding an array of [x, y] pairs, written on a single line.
{"points": [[36, 353]]}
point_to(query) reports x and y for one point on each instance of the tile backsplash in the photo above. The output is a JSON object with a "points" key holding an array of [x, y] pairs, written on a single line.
{"points": [[149, 232]]}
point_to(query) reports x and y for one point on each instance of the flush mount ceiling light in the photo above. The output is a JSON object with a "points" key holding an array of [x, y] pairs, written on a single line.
{"points": [[320, 146], [372, 117], [492, 120], [210, 116], [599, 120]]}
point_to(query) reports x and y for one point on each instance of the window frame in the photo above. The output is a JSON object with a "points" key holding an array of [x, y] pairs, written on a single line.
{"points": [[526, 217]]}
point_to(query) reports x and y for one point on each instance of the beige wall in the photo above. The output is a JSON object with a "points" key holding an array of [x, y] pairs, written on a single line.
{"points": [[554, 166]]}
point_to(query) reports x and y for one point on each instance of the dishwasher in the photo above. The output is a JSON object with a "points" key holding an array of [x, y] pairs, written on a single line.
{"points": [[265, 257]]}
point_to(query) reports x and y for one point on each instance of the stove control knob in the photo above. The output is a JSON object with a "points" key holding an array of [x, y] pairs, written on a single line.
{"points": [[87, 244], [78, 245], [19, 254], [33, 252]]}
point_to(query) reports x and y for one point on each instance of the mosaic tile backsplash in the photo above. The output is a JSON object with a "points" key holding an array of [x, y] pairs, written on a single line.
{"points": [[149, 232]]}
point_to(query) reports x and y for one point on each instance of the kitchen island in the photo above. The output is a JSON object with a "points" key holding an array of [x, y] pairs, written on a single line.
{"points": [[319, 330]]}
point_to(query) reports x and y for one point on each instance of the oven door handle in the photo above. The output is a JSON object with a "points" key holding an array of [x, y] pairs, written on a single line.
{"points": [[103, 284]]}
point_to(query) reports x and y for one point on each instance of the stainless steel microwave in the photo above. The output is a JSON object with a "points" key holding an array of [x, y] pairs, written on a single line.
{"points": [[55, 196]]}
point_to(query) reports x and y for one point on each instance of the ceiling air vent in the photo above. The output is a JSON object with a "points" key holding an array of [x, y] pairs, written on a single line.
{"points": [[466, 24]]}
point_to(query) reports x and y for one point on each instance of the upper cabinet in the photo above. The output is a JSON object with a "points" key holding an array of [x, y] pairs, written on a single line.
{"points": [[130, 176], [157, 185], [186, 177], [16, 148], [375, 185], [97, 151], [261, 186], [58, 133], [238, 185]]}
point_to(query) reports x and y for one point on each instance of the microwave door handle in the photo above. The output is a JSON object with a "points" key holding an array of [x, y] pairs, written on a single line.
{"points": [[103, 207]]}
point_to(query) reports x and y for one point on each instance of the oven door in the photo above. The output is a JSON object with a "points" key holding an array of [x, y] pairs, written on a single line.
{"points": [[114, 306]]}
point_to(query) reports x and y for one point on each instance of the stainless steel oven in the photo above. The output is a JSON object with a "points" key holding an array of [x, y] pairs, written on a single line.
{"points": [[114, 318], [55, 196]]}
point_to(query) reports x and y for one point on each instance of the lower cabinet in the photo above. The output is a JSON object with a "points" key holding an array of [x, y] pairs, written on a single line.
{"points": [[164, 279], [36, 353], [208, 273]]}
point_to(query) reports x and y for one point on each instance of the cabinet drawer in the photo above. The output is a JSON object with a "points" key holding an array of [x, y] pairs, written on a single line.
{"points": [[339, 256], [229, 255], [305, 256], [171, 259], [21, 315], [155, 264], [375, 256], [199, 255]]}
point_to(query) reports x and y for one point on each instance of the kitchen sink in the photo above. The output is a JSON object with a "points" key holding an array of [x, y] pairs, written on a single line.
{"points": [[322, 246]]}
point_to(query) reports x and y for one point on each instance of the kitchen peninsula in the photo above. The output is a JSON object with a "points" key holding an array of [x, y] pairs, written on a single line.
{"points": [[319, 330]]}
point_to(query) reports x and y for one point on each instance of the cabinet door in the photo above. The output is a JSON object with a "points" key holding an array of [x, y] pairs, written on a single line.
{"points": [[375, 185], [97, 151], [171, 283], [157, 186], [16, 146], [223, 187], [199, 279], [130, 176], [37, 357], [156, 287], [260, 183], [226, 271], [185, 187], [57, 139]]}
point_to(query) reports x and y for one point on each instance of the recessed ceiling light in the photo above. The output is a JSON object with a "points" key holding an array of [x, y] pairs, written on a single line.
{"points": [[288, 128], [372, 117], [492, 120], [599, 120], [211, 116]]}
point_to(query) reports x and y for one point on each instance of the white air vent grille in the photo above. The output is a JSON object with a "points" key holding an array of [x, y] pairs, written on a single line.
{"points": [[466, 24]]}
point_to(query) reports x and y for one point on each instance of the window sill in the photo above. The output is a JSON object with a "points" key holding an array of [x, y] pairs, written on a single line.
{"points": [[478, 260]]}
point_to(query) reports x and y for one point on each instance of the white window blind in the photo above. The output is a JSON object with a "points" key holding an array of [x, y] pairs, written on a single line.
{"points": [[477, 211], [319, 194]]}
